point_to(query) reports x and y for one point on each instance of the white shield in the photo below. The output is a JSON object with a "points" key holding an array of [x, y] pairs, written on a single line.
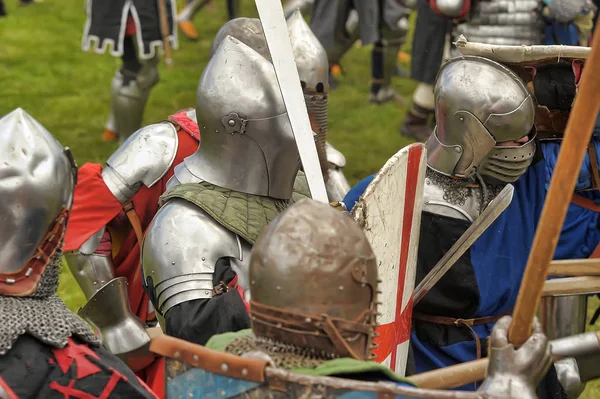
{"points": [[390, 213]]}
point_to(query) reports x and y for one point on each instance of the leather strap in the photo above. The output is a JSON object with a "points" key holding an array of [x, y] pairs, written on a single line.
{"points": [[134, 220], [249, 369]]}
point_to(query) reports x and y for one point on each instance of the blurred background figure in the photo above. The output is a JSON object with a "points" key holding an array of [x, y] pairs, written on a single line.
{"points": [[139, 48], [187, 13]]}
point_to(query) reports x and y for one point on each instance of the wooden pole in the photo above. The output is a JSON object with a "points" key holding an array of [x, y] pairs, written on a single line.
{"points": [[572, 286], [164, 30], [575, 267], [572, 151]]}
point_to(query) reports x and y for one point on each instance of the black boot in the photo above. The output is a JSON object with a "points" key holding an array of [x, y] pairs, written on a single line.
{"points": [[416, 123]]}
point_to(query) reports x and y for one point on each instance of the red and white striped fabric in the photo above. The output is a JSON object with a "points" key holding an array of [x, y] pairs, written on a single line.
{"points": [[390, 213]]}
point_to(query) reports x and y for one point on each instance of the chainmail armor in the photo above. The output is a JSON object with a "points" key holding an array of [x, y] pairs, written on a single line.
{"points": [[284, 356], [316, 104], [456, 191], [42, 314]]}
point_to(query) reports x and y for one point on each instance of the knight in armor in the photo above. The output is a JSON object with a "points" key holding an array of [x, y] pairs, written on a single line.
{"points": [[221, 197], [186, 15], [497, 111], [338, 24], [132, 30], [46, 351], [429, 42], [330, 331], [311, 60]]}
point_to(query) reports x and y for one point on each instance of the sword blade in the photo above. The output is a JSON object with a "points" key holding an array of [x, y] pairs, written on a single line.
{"points": [[487, 217], [280, 47]]}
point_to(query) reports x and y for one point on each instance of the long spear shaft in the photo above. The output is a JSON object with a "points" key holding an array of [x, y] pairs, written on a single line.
{"points": [[572, 152]]}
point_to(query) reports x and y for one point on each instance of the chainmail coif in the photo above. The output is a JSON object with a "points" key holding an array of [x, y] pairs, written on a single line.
{"points": [[42, 315]]}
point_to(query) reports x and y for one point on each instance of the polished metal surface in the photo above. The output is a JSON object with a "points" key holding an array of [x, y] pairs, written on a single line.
{"points": [[129, 97], [436, 202], [565, 11], [36, 183], [479, 103], [563, 316], [179, 253], [450, 8], [335, 157], [282, 54], [303, 250], [247, 140], [567, 372], [310, 55], [141, 160], [248, 31], [304, 6], [506, 22], [508, 163], [91, 270], [121, 331], [337, 186]]}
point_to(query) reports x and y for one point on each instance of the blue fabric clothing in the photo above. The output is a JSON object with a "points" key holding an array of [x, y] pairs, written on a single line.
{"points": [[500, 255]]}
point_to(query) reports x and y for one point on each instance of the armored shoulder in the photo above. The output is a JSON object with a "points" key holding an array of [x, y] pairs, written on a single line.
{"points": [[141, 160], [179, 253], [334, 157]]}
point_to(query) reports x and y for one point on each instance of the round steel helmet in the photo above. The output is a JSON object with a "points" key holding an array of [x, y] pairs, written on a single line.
{"points": [[480, 103], [36, 185], [312, 286], [247, 142]]}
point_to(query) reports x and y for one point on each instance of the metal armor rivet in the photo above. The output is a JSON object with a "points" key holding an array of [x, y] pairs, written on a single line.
{"points": [[341, 288], [95, 282], [224, 367], [176, 355], [206, 292], [29, 271], [152, 271], [244, 372], [203, 258], [428, 182], [10, 281], [196, 358], [278, 288], [231, 123], [457, 149]]}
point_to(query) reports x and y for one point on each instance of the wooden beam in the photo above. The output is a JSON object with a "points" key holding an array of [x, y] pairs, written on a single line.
{"points": [[575, 267], [572, 286]]}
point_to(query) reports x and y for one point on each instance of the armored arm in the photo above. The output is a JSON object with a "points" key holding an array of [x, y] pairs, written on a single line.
{"points": [[108, 308], [187, 262], [337, 185], [142, 160]]}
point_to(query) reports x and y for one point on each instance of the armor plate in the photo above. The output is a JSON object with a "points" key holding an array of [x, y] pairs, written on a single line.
{"points": [[337, 185], [508, 22], [436, 201], [473, 116], [36, 186], [121, 331], [247, 141], [179, 253], [143, 159]]}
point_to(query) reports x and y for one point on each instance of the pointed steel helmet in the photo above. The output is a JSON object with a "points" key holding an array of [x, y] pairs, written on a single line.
{"points": [[478, 104], [310, 55], [247, 142], [36, 186], [319, 286], [311, 61]]}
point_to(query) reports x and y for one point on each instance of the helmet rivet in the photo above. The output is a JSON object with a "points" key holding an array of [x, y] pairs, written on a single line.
{"points": [[278, 288], [457, 149], [173, 263], [461, 119], [341, 288], [203, 258], [224, 367], [206, 292], [231, 123]]}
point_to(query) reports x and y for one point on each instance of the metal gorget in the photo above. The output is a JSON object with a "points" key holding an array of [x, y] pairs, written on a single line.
{"points": [[42, 314], [456, 198]]}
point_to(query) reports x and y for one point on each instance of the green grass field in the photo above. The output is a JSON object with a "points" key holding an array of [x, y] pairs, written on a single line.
{"points": [[44, 71]]}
